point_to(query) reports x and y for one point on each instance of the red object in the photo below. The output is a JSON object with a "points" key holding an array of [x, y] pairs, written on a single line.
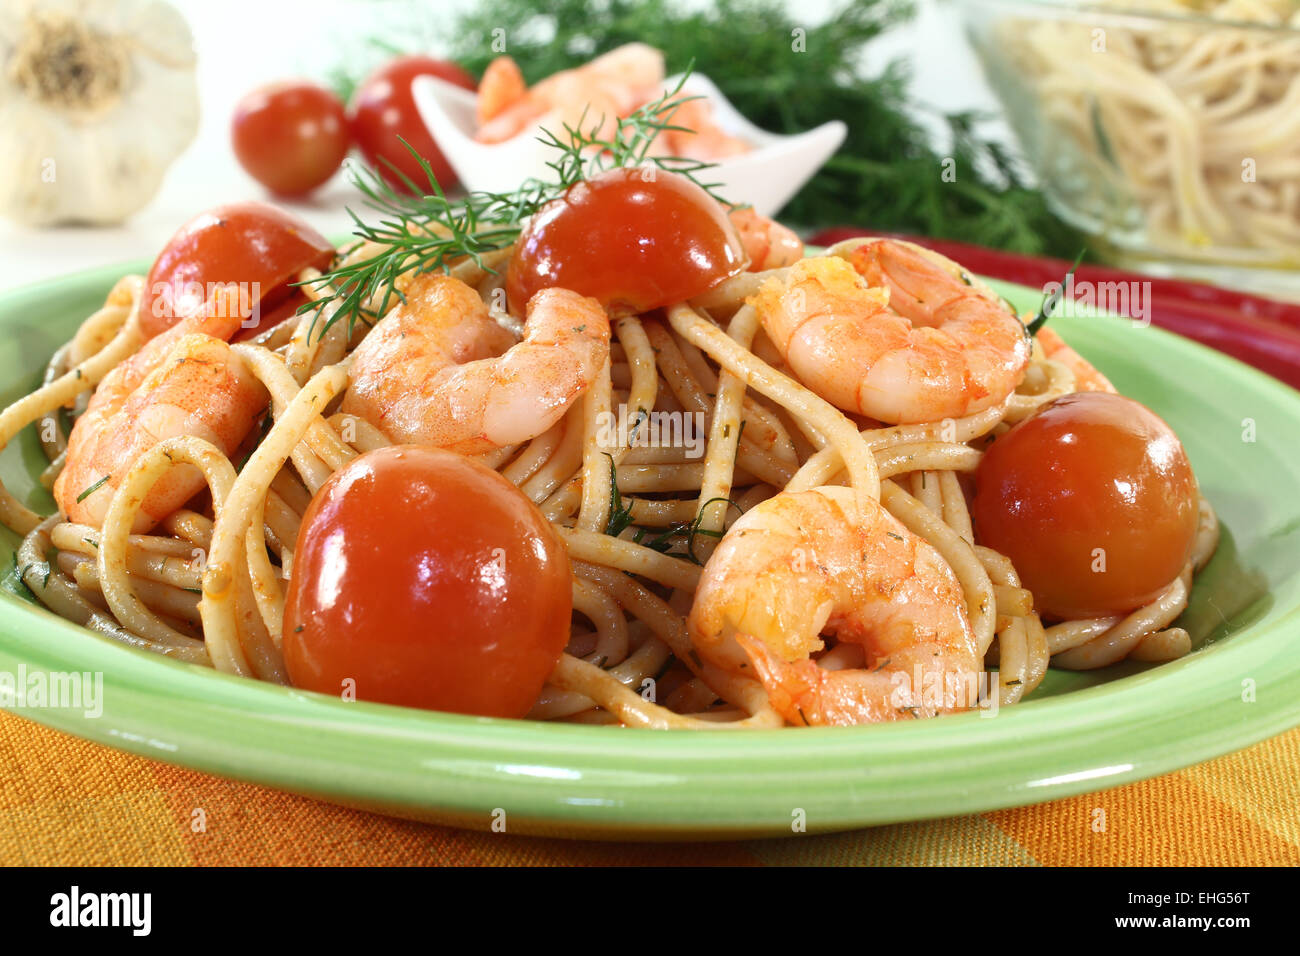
{"points": [[383, 110], [291, 136], [256, 245], [631, 242], [1093, 500], [428, 580], [1261, 332]]}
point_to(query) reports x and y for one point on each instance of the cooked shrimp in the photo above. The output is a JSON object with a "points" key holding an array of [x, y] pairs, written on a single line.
{"points": [[768, 244], [592, 96], [830, 561], [438, 370], [1086, 376], [635, 67], [701, 138], [569, 98], [501, 87], [898, 335], [197, 386], [184, 381]]}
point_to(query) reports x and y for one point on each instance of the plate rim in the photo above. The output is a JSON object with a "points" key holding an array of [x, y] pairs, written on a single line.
{"points": [[642, 784]]}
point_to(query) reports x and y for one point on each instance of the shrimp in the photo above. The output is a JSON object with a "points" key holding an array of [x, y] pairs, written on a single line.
{"points": [[592, 96], [569, 98], [829, 560], [637, 68], [895, 333], [438, 370], [187, 385], [701, 137], [1086, 376], [501, 87], [768, 244]]}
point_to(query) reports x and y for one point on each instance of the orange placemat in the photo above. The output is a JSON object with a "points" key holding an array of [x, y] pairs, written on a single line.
{"points": [[65, 801]]}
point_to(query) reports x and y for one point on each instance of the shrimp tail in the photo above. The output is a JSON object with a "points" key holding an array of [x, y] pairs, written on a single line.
{"points": [[807, 695]]}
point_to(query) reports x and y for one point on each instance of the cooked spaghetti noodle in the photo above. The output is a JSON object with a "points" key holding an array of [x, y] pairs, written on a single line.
{"points": [[1194, 122]]}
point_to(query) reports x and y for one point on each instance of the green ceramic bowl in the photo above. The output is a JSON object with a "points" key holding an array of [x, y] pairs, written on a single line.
{"points": [[1078, 732]]}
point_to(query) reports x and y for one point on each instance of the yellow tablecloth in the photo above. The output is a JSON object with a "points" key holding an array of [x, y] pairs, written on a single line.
{"points": [[64, 801]]}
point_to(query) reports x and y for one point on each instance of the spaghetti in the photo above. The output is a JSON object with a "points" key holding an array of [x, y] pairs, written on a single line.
{"points": [[1196, 123]]}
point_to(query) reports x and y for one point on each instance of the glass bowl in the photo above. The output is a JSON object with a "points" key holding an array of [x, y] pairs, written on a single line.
{"points": [[1167, 130]]}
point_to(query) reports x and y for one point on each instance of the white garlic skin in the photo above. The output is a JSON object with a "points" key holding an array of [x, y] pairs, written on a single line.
{"points": [[100, 163]]}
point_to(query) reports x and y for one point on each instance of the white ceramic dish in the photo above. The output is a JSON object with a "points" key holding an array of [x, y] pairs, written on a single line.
{"points": [[767, 177]]}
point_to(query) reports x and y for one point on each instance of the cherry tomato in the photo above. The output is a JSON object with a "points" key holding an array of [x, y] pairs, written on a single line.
{"points": [[383, 110], [247, 242], [291, 137], [1093, 500], [631, 242], [430, 581]]}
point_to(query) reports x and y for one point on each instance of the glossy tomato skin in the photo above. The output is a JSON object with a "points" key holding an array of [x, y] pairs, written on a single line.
{"points": [[291, 136], [244, 242], [382, 110], [430, 581], [1093, 500], [631, 241]]}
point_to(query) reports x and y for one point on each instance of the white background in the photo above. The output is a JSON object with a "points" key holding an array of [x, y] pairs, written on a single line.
{"points": [[243, 43]]}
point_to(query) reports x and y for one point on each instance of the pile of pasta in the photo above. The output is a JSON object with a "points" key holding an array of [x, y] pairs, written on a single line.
{"points": [[207, 584], [1198, 121]]}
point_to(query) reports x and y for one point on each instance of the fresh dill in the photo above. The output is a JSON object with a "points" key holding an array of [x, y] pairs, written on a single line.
{"points": [[889, 172], [619, 517], [92, 489], [1052, 299], [268, 419], [423, 230], [682, 533]]}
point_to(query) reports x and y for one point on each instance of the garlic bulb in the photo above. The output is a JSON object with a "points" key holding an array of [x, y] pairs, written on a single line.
{"points": [[97, 98]]}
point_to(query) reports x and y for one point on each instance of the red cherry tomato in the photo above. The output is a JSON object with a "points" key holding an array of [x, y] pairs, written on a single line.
{"points": [[248, 242], [1093, 500], [430, 581], [383, 110], [632, 243], [291, 137]]}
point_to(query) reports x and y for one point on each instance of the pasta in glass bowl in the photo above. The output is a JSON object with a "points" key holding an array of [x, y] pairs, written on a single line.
{"points": [[1168, 130]]}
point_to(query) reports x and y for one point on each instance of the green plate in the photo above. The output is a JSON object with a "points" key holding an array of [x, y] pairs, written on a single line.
{"points": [[1078, 732]]}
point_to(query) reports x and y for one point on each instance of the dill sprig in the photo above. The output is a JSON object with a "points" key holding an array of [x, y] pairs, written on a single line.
{"points": [[1052, 299], [422, 230], [682, 533], [888, 175], [619, 516], [583, 155]]}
